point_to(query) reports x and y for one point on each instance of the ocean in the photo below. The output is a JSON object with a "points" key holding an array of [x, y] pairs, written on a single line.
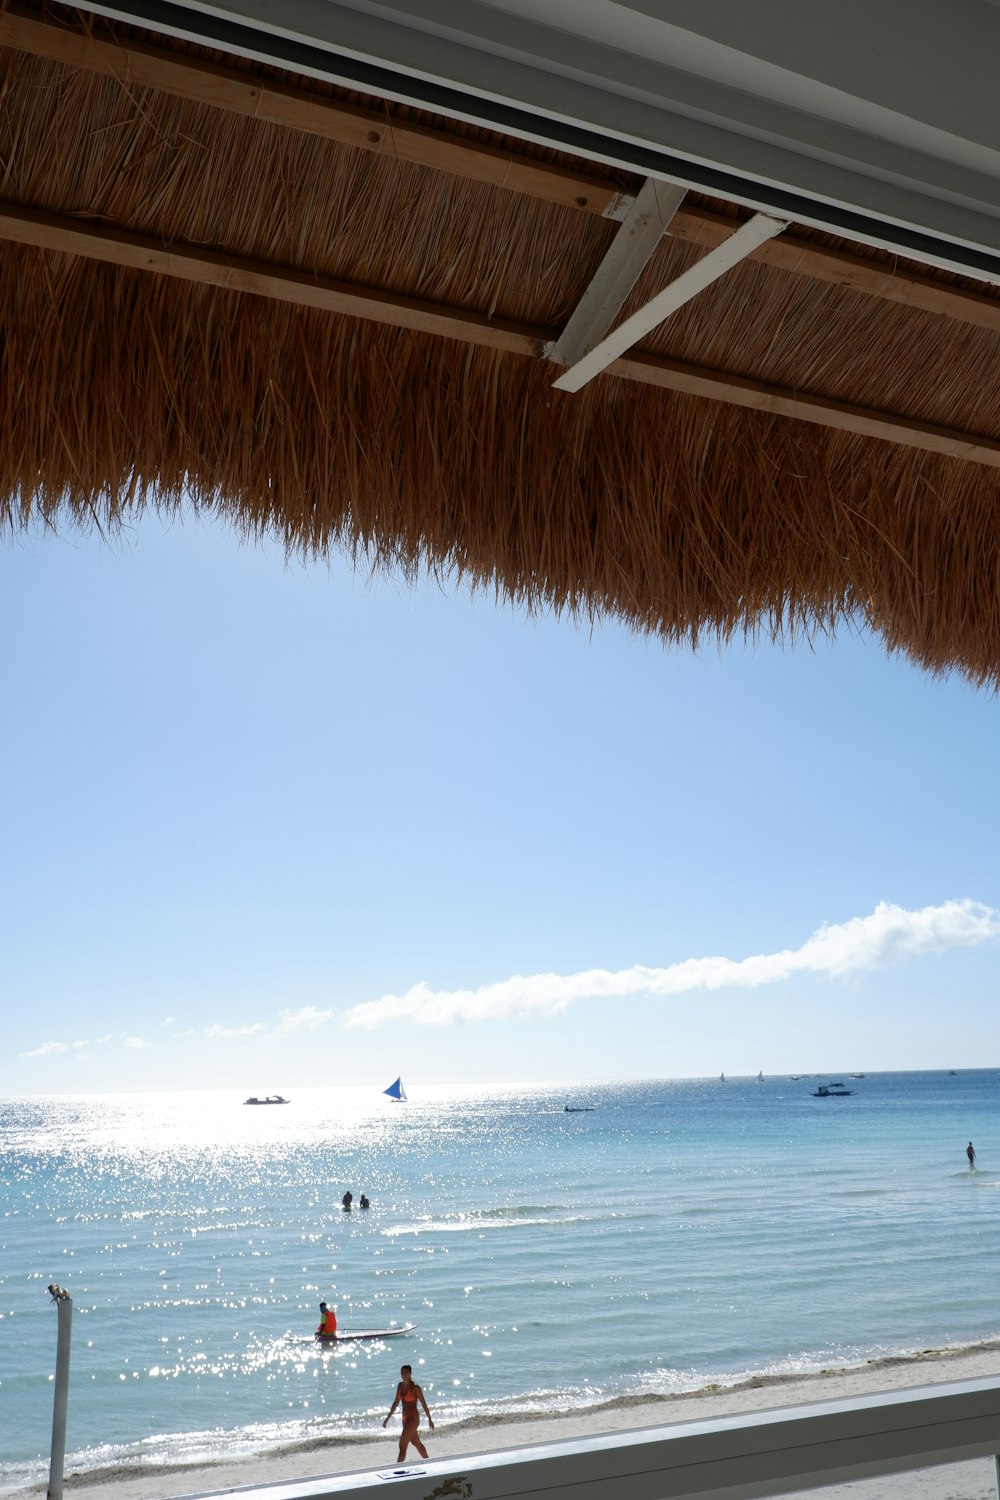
{"points": [[663, 1236]]}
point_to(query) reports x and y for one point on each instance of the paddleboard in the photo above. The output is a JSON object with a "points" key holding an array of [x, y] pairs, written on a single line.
{"points": [[350, 1335], [346, 1335]]}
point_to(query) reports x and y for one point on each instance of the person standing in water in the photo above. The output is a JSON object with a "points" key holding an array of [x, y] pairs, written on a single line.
{"points": [[409, 1394], [970, 1152]]}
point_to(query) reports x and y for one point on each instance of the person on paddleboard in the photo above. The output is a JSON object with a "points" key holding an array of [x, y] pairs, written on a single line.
{"points": [[327, 1322], [409, 1394]]}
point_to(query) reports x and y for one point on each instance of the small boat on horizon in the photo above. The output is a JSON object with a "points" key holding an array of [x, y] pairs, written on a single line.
{"points": [[396, 1091], [578, 1109], [267, 1099], [832, 1091]]}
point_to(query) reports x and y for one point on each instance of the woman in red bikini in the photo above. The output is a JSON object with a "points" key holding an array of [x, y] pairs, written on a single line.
{"points": [[412, 1398]]}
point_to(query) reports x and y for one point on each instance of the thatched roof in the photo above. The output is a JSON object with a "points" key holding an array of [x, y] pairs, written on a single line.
{"points": [[327, 316]]}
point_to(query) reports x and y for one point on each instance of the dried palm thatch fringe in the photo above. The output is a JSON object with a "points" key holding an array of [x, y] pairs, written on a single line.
{"points": [[684, 518], [681, 516]]}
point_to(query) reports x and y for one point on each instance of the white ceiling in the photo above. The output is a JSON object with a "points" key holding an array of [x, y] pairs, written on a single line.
{"points": [[877, 118]]}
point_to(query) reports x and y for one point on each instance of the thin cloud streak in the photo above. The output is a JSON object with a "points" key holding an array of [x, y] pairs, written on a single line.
{"points": [[47, 1049], [217, 1033], [308, 1018], [890, 935]]}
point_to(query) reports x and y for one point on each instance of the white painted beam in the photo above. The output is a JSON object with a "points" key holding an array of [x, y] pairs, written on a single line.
{"points": [[626, 259], [711, 266]]}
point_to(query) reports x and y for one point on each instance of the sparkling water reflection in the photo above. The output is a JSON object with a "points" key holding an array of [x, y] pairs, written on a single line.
{"points": [[676, 1234]]}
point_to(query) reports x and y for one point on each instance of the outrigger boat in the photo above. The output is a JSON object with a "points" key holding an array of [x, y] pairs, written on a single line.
{"points": [[268, 1099]]}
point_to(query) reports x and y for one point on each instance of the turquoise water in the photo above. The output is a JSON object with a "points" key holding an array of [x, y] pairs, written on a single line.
{"points": [[677, 1234]]}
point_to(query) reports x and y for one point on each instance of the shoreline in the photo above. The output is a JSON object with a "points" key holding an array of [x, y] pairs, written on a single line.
{"points": [[319, 1457]]}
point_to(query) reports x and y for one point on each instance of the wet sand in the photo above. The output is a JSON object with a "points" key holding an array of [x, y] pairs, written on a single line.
{"points": [[323, 1458]]}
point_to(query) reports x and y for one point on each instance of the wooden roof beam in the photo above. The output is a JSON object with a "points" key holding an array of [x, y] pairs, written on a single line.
{"points": [[242, 93], [97, 242], [758, 395], [626, 258], [674, 295], [233, 273]]}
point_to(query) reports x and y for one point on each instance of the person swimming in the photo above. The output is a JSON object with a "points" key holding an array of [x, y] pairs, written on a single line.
{"points": [[364, 1202]]}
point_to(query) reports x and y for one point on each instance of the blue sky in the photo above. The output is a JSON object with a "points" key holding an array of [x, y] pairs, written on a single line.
{"points": [[247, 799]]}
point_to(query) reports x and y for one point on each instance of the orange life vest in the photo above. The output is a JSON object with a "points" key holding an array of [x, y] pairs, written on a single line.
{"points": [[328, 1323]]}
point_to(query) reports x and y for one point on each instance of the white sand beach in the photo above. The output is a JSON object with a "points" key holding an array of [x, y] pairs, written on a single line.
{"points": [[967, 1481]]}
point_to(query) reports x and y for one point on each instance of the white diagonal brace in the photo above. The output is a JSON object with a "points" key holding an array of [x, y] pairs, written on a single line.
{"points": [[642, 229], [711, 266]]}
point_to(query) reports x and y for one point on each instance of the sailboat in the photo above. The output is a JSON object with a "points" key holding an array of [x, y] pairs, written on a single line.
{"points": [[722, 1077], [396, 1091], [760, 1076]]}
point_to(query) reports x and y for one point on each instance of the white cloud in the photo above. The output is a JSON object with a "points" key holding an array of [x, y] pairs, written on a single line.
{"points": [[46, 1049], [889, 935], [217, 1032], [306, 1019], [136, 1042], [168, 1020]]}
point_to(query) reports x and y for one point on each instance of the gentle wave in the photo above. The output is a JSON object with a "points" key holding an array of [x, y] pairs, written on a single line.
{"points": [[665, 1389], [479, 1222]]}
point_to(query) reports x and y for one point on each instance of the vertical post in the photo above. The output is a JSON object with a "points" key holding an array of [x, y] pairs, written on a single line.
{"points": [[996, 1474], [57, 1461]]}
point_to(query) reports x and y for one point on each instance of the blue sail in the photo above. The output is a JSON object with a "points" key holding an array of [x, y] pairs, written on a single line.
{"points": [[396, 1091]]}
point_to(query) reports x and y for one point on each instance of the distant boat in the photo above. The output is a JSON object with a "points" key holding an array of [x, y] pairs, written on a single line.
{"points": [[268, 1099], [578, 1109], [857, 1075], [760, 1076], [396, 1091], [722, 1077], [832, 1091]]}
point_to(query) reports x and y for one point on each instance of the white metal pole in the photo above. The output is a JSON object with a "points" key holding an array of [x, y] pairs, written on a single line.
{"points": [[64, 1308]]}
